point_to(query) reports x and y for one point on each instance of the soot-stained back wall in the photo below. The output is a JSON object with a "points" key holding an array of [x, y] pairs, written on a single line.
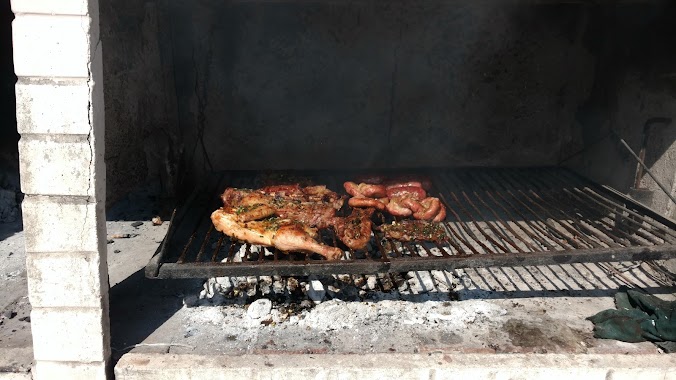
{"points": [[299, 85]]}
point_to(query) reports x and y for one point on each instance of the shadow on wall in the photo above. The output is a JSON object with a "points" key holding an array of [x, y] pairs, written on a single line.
{"points": [[10, 192]]}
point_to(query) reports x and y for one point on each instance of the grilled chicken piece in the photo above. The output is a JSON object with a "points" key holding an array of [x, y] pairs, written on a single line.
{"points": [[355, 230], [284, 234], [415, 230]]}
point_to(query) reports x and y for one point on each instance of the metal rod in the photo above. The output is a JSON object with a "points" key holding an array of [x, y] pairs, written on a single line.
{"points": [[540, 238], [667, 234], [650, 173], [549, 211]]}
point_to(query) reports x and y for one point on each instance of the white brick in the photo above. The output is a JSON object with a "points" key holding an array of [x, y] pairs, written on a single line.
{"points": [[51, 46], [64, 279], [51, 106], [62, 7], [72, 371], [54, 224], [55, 165], [75, 335]]}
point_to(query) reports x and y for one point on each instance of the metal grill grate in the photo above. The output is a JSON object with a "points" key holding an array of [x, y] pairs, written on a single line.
{"points": [[495, 217]]}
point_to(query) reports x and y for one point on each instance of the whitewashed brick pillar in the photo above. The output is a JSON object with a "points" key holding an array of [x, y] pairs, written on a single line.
{"points": [[57, 58]]}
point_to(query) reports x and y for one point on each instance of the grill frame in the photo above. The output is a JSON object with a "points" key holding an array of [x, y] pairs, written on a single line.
{"points": [[553, 207]]}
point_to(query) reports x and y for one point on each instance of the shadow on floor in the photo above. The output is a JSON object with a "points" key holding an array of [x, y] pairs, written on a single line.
{"points": [[138, 306]]}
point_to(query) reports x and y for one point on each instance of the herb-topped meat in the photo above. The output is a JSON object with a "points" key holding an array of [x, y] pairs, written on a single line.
{"points": [[283, 234], [245, 213], [415, 230], [355, 230]]}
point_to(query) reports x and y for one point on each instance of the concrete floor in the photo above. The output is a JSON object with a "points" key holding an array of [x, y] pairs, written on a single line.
{"points": [[533, 310]]}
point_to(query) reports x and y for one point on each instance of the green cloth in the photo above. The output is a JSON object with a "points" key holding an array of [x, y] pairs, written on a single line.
{"points": [[638, 317]]}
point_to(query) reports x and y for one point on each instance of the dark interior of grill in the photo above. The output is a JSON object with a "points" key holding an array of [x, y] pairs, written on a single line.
{"points": [[504, 104], [491, 99]]}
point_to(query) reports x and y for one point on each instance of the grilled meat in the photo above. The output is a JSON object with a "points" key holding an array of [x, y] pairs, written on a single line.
{"points": [[401, 206], [365, 190], [415, 230], [403, 198], [355, 230], [430, 209], [415, 192], [362, 202], [315, 206], [315, 214], [283, 234]]}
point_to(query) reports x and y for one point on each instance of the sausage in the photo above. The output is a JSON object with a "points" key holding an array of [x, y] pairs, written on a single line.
{"points": [[430, 209], [367, 202], [415, 192], [397, 208], [441, 215], [365, 190]]}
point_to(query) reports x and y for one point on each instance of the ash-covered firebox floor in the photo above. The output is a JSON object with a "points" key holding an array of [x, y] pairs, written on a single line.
{"points": [[491, 310], [496, 310]]}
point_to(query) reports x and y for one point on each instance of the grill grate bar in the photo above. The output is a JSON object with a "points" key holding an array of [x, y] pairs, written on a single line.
{"points": [[568, 230], [531, 231], [592, 214], [495, 217], [665, 233], [506, 225], [489, 224], [545, 231], [591, 224], [575, 192]]}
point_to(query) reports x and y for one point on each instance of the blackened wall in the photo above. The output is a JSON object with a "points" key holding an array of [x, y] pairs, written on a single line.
{"points": [[196, 86]]}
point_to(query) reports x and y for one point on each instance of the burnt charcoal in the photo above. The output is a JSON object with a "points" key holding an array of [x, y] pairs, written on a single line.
{"points": [[137, 224], [9, 314]]}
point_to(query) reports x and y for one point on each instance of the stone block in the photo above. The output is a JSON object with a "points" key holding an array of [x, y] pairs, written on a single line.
{"points": [[49, 370], [51, 46], [52, 106], [56, 165], [65, 279], [50, 7], [58, 224], [70, 334]]}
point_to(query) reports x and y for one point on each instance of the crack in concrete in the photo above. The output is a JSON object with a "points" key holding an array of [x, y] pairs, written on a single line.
{"points": [[90, 135]]}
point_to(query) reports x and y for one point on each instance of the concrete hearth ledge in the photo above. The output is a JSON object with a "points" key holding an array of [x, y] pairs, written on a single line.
{"points": [[135, 366]]}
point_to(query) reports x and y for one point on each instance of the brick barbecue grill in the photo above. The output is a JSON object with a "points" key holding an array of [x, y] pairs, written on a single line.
{"points": [[513, 109]]}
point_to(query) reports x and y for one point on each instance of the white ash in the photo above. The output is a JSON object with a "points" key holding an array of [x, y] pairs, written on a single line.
{"points": [[259, 309]]}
